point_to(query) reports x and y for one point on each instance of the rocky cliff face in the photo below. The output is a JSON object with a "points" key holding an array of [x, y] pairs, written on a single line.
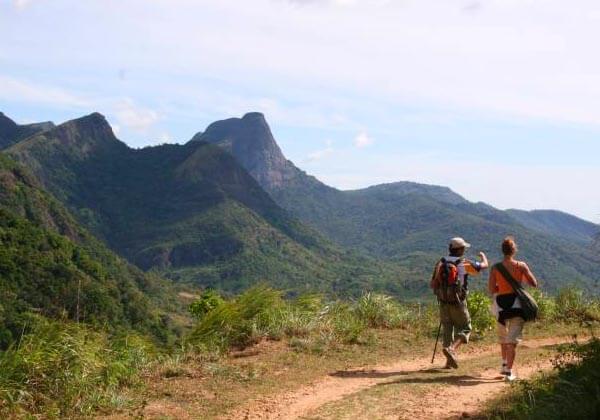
{"points": [[250, 141]]}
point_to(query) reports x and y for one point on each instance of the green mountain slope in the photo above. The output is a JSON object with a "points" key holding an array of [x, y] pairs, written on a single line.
{"points": [[190, 211], [50, 265], [11, 132], [558, 223], [404, 222]]}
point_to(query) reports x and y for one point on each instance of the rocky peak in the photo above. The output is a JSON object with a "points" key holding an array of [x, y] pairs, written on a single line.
{"points": [[87, 133], [250, 141]]}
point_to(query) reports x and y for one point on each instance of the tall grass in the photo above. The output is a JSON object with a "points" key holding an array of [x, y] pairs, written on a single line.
{"points": [[261, 313], [64, 369], [239, 322]]}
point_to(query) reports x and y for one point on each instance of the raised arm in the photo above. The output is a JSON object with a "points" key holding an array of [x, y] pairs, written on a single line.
{"points": [[529, 276], [484, 261]]}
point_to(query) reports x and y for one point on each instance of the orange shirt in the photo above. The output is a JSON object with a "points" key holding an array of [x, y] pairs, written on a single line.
{"points": [[518, 269]]}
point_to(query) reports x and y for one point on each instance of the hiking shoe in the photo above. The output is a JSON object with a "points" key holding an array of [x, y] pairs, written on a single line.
{"points": [[511, 377], [451, 357]]}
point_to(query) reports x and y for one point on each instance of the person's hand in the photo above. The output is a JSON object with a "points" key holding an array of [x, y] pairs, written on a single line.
{"points": [[482, 255]]}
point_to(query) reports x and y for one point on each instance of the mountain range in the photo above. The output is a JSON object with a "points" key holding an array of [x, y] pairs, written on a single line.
{"points": [[190, 212], [406, 222], [227, 210]]}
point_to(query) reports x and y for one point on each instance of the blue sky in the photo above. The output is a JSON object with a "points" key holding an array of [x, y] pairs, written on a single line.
{"points": [[499, 99]]}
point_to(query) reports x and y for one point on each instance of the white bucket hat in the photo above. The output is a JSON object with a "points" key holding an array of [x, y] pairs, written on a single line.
{"points": [[458, 242]]}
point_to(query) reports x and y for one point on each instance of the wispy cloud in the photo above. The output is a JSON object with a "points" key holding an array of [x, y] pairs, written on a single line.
{"points": [[338, 2], [19, 90], [21, 4], [321, 153], [473, 6], [363, 140]]}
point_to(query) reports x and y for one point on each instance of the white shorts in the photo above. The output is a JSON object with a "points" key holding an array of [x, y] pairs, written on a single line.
{"points": [[512, 331]]}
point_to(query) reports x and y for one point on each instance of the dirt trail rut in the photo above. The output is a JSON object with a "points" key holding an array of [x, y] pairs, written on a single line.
{"points": [[463, 394]]}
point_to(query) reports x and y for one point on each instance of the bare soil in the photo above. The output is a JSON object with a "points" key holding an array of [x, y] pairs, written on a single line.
{"points": [[449, 394]]}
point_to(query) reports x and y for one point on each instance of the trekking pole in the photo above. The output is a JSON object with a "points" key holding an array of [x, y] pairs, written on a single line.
{"points": [[436, 342]]}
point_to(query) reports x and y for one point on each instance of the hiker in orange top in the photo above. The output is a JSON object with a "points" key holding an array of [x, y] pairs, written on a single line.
{"points": [[450, 284], [510, 315]]}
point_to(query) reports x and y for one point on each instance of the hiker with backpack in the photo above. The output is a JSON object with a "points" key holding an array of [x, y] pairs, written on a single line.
{"points": [[450, 284], [514, 305]]}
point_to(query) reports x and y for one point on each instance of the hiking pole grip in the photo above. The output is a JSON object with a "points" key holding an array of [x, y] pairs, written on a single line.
{"points": [[436, 342]]}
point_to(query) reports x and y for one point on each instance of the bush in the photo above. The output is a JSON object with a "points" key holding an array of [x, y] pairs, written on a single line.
{"points": [[572, 305], [547, 307], [479, 307], [208, 301]]}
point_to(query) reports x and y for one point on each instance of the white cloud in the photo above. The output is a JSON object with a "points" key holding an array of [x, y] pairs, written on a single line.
{"points": [[333, 64], [18, 90], [135, 117], [165, 137], [523, 58], [340, 3], [21, 4], [362, 140], [322, 153]]}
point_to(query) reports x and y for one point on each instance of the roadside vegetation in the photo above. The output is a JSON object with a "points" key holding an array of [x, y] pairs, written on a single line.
{"points": [[572, 389], [59, 369]]}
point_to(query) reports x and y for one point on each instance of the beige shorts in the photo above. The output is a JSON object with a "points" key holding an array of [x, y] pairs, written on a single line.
{"points": [[512, 331]]}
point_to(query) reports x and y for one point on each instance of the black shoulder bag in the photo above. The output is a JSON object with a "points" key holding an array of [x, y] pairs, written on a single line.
{"points": [[528, 303]]}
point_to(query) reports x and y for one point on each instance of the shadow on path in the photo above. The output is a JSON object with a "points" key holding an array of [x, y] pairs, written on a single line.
{"points": [[460, 380], [384, 374]]}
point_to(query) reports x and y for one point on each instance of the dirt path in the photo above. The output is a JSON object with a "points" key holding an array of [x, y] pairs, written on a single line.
{"points": [[464, 392]]}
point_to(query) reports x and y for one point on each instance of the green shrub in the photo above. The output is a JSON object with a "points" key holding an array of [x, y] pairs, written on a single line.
{"points": [[479, 307], [207, 301], [573, 306], [547, 307]]}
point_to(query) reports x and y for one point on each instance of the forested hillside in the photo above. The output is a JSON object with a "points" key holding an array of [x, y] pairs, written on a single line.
{"points": [[51, 266]]}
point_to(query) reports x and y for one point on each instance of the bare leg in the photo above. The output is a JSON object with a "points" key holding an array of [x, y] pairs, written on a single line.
{"points": [[457, 343], [511, 353], [503, 351]]}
